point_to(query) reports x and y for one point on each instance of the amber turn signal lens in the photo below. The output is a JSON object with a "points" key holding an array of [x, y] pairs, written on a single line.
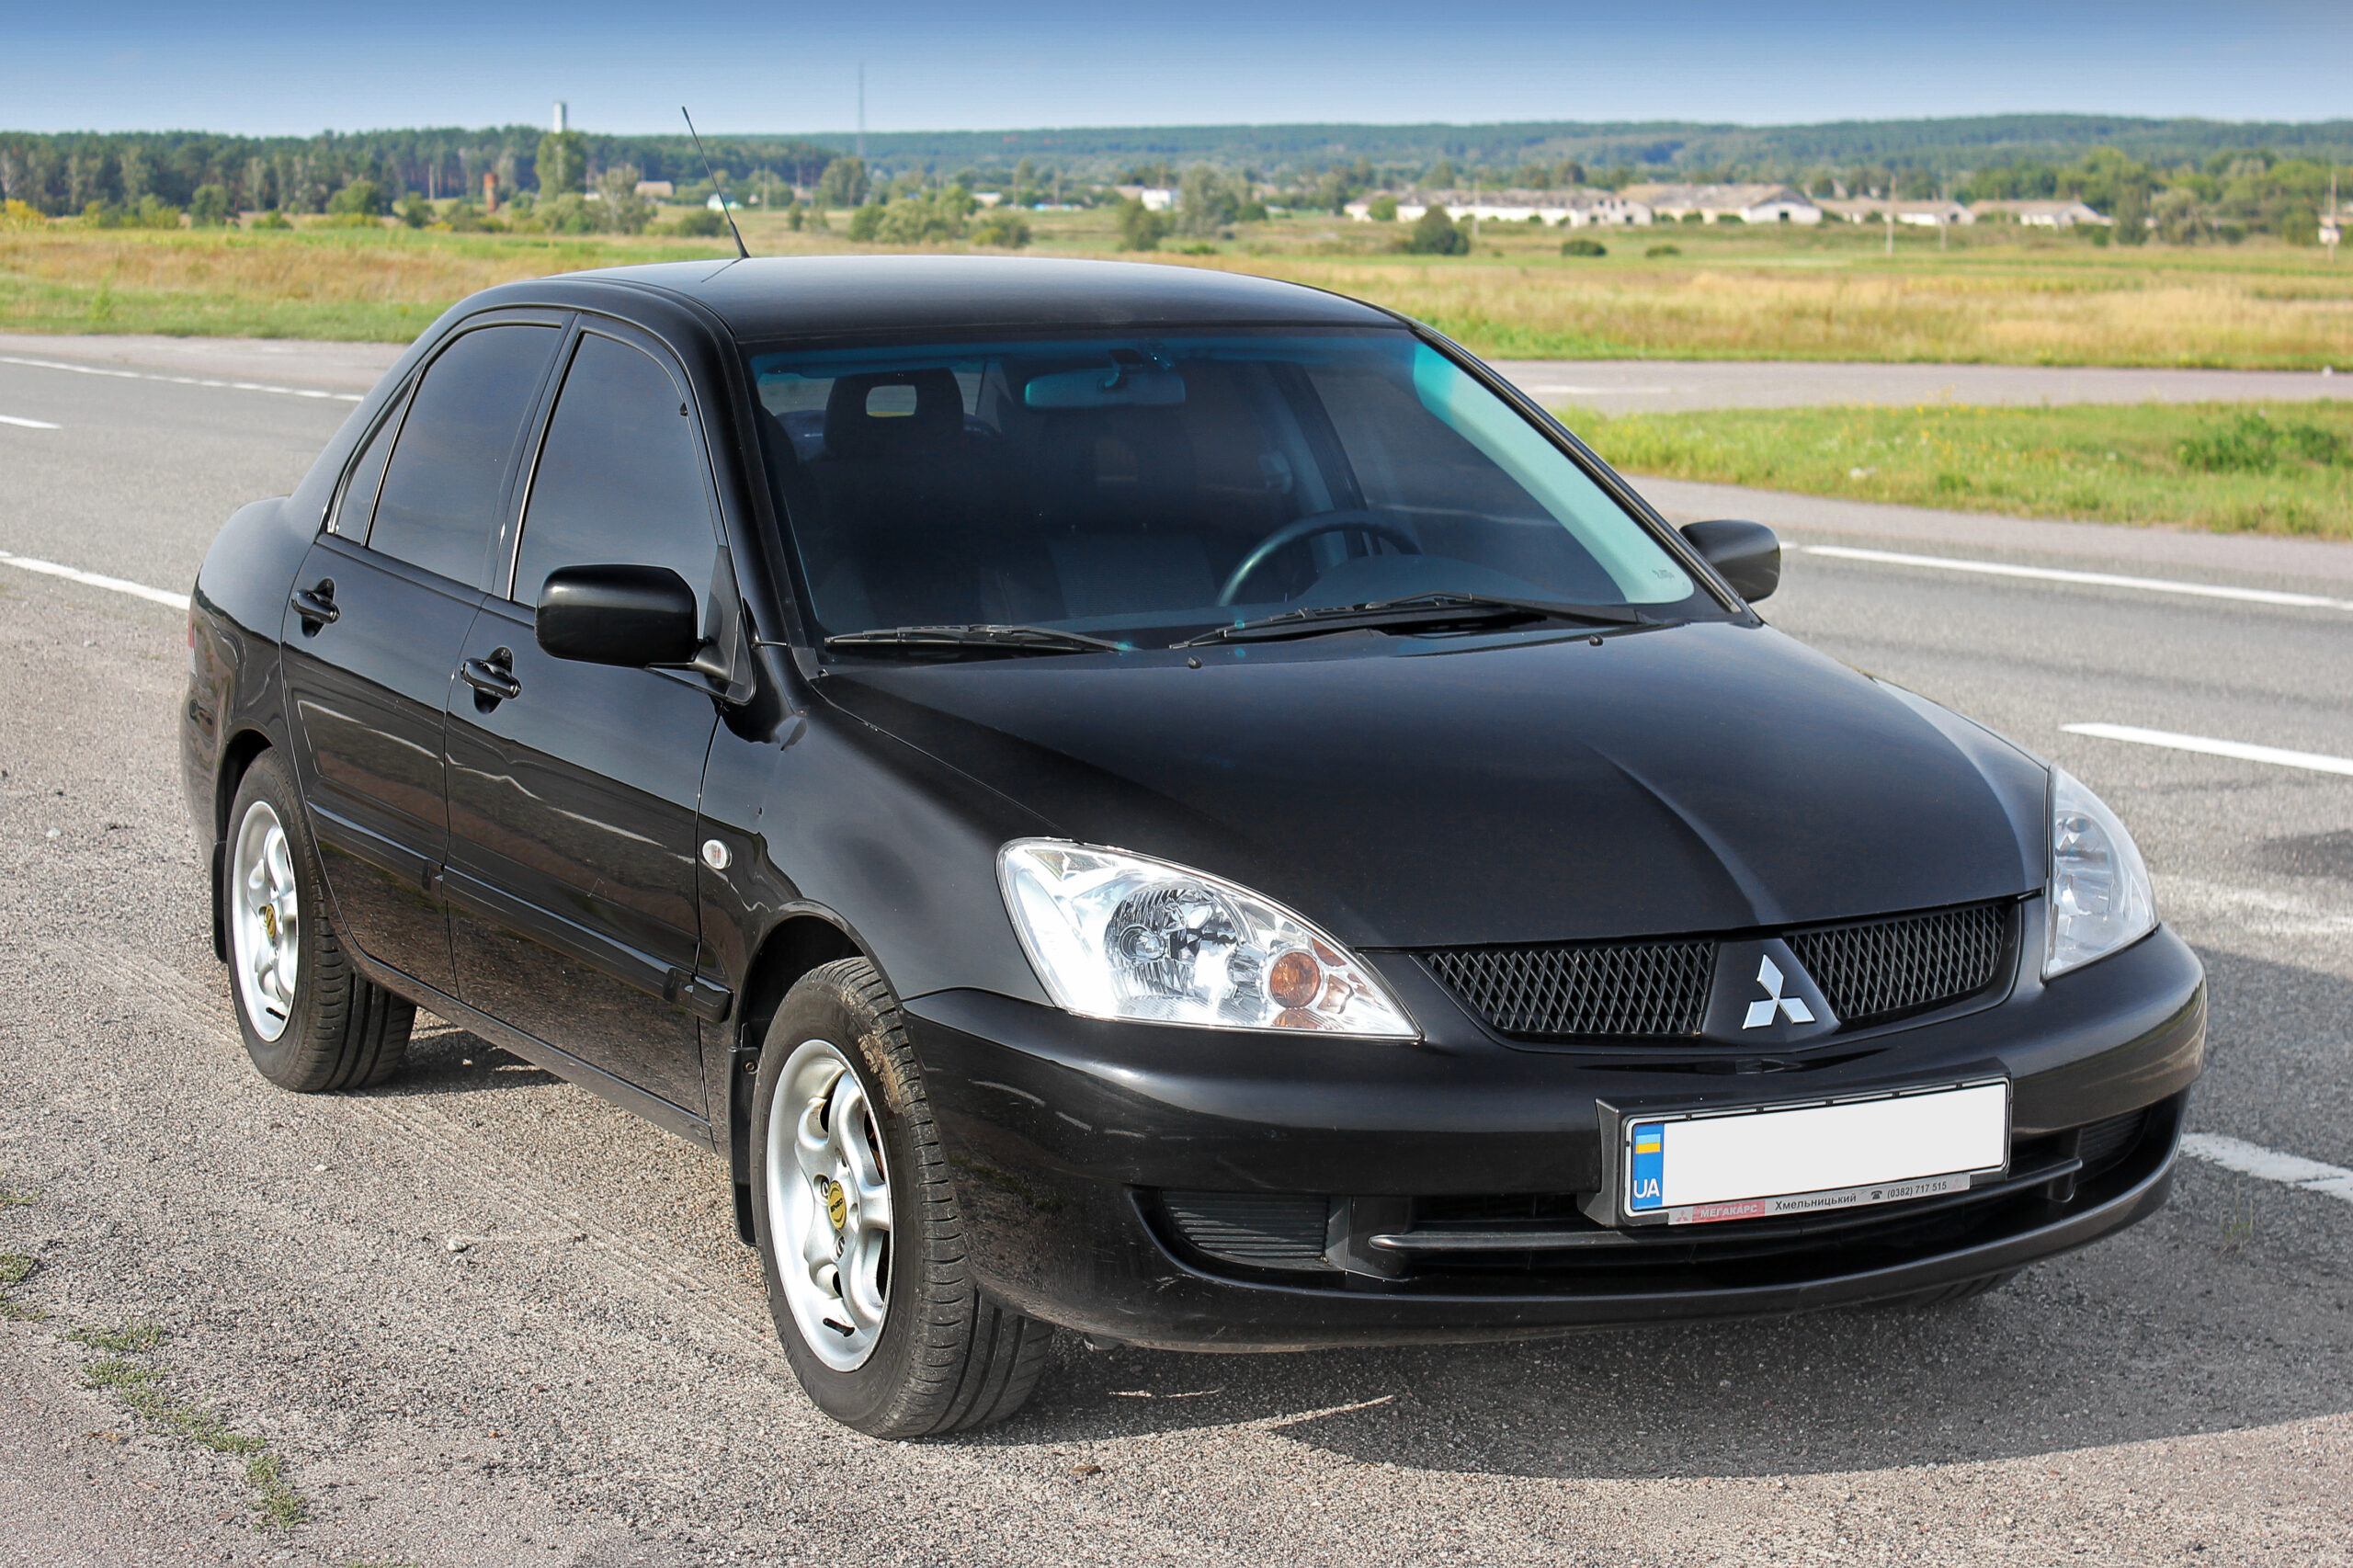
{"points": [[1295, 979]]}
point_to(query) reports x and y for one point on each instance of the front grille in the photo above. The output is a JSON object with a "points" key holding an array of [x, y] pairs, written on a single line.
{"points": [[1620, 988], [1880, 968], [1259, 1230], [1869, 971]]}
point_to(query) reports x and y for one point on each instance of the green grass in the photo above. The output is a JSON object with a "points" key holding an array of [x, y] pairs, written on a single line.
{"points": [[128, 1372], [2264, 468], [15, 1267]]}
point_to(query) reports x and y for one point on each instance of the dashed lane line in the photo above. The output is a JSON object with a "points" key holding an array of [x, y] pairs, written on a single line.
{"points": [[95, 580], [2269, 1165], [179, 381], [2089, 579], [28, 424], [2316, 761]]}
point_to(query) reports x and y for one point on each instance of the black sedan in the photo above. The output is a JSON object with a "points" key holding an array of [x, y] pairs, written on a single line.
{"points": [[1163, 804]]}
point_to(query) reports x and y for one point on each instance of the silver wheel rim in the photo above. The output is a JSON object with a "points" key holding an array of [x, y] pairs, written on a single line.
{"points": [[829, 1204], [265, 920]]}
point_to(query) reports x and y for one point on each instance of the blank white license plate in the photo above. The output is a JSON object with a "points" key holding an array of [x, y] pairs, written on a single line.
{"points": [[1694, 1167]]}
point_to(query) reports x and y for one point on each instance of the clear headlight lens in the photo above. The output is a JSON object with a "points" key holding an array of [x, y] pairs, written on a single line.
{"points": [[2101, 897], [1120, 935]]}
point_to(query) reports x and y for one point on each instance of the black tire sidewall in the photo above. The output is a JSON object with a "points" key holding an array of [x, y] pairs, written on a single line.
{"points": [[821, 1007]]}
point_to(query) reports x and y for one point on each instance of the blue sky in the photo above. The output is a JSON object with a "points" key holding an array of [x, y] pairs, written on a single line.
{"points": [[294, 69]]}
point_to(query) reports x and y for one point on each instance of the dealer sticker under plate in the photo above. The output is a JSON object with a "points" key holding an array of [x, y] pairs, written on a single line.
{"points": [[1696, 1167]]}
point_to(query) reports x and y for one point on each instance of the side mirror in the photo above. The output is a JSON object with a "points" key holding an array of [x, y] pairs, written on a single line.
{"points": [[633, 616], [1747, 555]]}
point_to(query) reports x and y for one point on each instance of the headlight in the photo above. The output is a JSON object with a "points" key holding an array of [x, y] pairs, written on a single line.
{"points": [[2100, 898], [1120, 936]]}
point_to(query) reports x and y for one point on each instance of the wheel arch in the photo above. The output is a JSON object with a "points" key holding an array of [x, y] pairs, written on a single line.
{"points": [[801, 941], [237, 754]]}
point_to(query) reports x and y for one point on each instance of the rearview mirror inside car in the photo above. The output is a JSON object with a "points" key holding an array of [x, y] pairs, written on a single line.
{"points": [[1118, 387], [1747, 555], [633, 616]]}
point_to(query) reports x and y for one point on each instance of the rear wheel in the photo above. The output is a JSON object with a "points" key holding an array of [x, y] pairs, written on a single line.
{"points": [[310, 1020], [858, 1227]]}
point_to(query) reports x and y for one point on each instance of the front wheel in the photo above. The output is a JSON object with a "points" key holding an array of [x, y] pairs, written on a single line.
{"points": [[859, 1237]]}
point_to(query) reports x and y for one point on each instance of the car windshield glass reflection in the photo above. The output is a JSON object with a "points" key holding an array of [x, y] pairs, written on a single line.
{"points": [[1145, 489]]}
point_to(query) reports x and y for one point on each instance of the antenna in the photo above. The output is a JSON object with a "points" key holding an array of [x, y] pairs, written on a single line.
{"points": [[741, 254]]}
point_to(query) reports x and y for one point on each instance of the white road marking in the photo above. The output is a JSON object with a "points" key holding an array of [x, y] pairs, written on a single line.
{"points": [[28, 424], [2269, 1165], [2318, 761], [94, 579], [179, 381], [2092, 579]]}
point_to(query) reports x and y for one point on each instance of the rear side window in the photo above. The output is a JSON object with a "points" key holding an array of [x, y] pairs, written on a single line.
{"points": [[359, 493], [457, 448], [620, 479]]}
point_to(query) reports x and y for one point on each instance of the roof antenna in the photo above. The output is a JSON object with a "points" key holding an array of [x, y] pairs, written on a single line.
{"points": [[741, 254]]}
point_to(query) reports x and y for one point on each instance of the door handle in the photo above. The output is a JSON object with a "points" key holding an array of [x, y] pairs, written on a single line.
{"points": [[490, 679], [316, 606]]}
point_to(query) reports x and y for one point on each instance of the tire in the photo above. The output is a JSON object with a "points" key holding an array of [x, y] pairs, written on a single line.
{"points": [[888, 1333], [1946, 1295], [329, 1027]]}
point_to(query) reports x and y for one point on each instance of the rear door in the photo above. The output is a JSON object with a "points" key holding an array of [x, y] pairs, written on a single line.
{"points": [[379, 614], [575, 788]]}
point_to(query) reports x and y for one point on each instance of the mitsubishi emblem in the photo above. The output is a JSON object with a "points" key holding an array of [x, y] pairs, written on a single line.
{"points": [[1768, 975]]}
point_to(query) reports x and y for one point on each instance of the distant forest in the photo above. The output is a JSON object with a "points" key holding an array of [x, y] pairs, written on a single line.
{"points": [[2264, 175]]}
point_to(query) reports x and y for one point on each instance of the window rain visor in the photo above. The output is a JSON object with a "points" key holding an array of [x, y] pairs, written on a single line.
{"points": [[1140, 488]]}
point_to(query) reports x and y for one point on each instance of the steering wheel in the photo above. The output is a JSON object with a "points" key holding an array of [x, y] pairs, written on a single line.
{"points": [[1290, 533]]}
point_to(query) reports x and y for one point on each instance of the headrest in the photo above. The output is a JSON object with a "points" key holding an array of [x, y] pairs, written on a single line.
{"points": [[853, 430]]}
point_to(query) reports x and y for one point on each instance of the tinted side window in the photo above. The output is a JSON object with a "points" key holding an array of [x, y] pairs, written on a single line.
{"points": [[439, 505], [359, 495], [620, 480]]}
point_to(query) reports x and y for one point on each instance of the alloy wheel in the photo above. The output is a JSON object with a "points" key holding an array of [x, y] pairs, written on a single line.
{"points": [[829, 1201]]}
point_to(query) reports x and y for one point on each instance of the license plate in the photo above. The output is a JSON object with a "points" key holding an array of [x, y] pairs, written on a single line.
{"points": [[1696, 1167]]}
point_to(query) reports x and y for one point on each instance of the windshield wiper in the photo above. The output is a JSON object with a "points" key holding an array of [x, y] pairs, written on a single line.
{"points": [[1006, 639], [1415, 611]]}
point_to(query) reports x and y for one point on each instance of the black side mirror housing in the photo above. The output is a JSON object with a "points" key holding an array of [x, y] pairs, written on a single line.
{"points": [[632, 616], [1747, 555]]}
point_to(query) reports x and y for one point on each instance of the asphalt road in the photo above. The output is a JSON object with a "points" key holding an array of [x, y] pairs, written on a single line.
{"points": [[481, 1317]]}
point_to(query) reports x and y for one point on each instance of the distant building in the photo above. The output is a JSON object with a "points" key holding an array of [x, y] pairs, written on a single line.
{"points": [[2037, 214], [718, 203], [659, 190], [1873, 210], [1155, 198], [1575, 209], [1719, 203]]}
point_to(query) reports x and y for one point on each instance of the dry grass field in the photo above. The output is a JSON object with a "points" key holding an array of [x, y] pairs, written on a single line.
{"points": [[1832, 293]]}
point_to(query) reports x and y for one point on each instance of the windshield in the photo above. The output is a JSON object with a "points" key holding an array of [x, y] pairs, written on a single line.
{"points": [[1140, 488]]}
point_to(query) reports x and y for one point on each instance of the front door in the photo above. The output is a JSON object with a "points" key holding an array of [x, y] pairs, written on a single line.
{"points": [[373, 631], [575, 788]]}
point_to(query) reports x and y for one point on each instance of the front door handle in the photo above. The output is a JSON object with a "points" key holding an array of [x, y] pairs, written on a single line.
{"points": [[316, 606], [490, 679]]}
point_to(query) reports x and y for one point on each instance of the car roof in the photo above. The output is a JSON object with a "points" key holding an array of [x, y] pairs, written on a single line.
{"points": [[771, 297]]}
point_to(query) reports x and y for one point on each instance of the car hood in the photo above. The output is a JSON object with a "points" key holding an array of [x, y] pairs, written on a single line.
{"points": [[1415, 791]]}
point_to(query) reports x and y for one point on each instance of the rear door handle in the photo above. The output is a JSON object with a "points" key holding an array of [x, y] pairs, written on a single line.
{"points": [[316, 606], [489, 679]]}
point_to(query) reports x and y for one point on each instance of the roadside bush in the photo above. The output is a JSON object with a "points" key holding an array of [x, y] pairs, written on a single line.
{"points": [[150, 213], [21, 215], [1141, 228], [1656, 251], [866, 223], [1584, 247], [468, 217], [1007, 231], [620, 210], [209, 207], [927, 220], [1434, 233], [360, 199], [700, 223], [2252, 444], [412, 210], [273, 219]]}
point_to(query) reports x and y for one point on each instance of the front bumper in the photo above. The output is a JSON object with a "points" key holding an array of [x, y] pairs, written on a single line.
{"points": [[1077, 1146]]}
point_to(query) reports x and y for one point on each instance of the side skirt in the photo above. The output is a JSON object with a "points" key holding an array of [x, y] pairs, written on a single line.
{"points": [[540, 1053]]}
